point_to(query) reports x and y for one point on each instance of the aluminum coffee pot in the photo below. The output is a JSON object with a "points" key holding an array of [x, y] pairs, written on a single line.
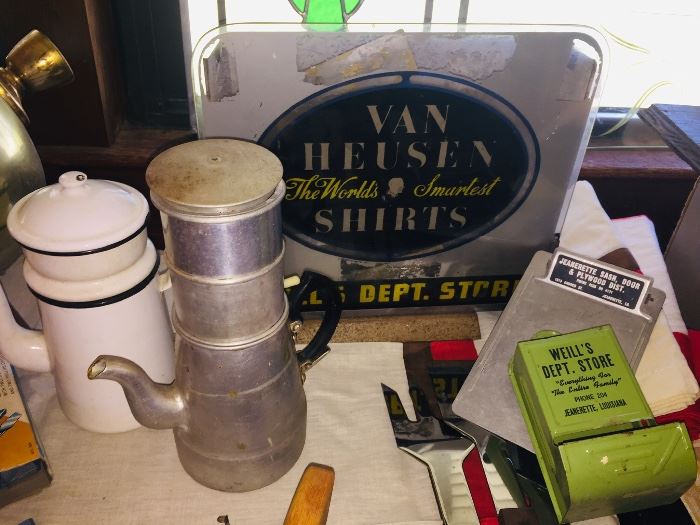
{"points": [[237, 405]]}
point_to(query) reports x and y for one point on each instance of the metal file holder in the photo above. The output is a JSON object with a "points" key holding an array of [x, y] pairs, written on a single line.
{"points": [[550, 297]]}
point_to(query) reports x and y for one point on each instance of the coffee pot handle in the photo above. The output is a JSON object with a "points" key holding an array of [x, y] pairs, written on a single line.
{"points": [[327, 291]]}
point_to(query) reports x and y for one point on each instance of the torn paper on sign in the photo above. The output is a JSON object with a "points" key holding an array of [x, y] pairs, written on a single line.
{"points": [[219, 68], [352, 269], [580, 76], [473, 57], [387, 53], [314, 48]]}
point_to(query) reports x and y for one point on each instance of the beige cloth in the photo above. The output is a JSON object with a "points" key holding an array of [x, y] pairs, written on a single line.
{"points": [[587, 229], [664, 375], [640, 238]]}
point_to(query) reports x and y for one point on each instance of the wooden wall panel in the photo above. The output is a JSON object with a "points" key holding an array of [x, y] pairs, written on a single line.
{"points": [[88, 111]]}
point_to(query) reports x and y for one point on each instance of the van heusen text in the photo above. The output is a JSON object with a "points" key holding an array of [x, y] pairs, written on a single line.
{"points": [[383, 157], [592, 377]]}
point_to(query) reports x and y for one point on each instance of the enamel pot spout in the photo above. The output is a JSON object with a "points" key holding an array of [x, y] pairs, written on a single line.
{"points": [[154, 405]]}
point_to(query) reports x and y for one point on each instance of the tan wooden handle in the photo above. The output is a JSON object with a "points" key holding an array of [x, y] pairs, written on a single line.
{"points": [[312, 497]]}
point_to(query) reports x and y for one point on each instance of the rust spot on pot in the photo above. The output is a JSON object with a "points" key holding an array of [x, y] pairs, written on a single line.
{"points": [[241, 446], [232, 393]]}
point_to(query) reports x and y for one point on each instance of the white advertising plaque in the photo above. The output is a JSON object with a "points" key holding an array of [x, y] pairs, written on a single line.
{"points": [[424, 164]]}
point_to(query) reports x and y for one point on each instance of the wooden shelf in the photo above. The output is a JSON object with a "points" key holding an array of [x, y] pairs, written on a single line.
{"points": [[124, 161], [133, 148]]}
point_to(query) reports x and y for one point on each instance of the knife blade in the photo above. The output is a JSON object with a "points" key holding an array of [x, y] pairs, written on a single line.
{"points": [[444, 452]]}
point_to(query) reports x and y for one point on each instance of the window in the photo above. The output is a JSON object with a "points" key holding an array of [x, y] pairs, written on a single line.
{"points": [[647, 41]]}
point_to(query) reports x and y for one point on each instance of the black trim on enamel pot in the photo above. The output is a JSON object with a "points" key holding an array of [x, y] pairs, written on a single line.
{"points": [[86, 252], [101, 302]]}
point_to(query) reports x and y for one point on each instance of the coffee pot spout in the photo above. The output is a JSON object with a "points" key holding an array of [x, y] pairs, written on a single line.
{"points": [[23, 348], [154, 405]]}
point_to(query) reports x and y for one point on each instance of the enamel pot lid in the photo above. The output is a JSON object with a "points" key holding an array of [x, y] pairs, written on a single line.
{"points": [[213, 177], [78, 216]]}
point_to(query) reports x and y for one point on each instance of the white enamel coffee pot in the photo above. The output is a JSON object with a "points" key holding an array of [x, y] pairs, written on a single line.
{"points": [[93, 270]]}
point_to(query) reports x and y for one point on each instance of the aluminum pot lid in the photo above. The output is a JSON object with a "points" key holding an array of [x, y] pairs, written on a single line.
{"points": [[77, 215], [213, 177]]}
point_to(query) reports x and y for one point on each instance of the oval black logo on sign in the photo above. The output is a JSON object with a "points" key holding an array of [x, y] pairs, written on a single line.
{"points": [[401, 165]]}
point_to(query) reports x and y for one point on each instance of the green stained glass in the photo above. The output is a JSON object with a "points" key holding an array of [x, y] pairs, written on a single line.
{"points": [[326, 11], [351, 5]]}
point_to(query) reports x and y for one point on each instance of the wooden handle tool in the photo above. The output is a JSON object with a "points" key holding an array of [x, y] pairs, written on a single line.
{"points": [[312, 497]]}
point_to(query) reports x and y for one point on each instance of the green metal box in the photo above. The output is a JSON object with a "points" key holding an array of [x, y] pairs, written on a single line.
{"points": [[596, 439]]}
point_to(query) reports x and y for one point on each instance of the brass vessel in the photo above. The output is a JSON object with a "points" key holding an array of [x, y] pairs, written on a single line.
{"points": [[34, 64]]}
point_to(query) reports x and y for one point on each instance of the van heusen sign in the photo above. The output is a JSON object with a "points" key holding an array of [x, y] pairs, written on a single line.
{"points": [[422, 168], [410, 165]]}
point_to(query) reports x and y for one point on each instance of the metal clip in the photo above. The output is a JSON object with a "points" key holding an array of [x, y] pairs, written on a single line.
{"points": [[306, 365], [294, 327]]}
